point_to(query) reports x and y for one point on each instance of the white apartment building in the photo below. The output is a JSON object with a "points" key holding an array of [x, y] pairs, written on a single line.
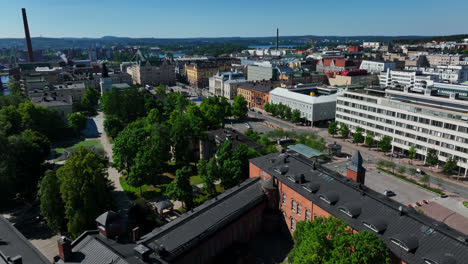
{"points": [[375, 67], [404, 78], [226, 83], [451, 73], [372, 45], [315, 103], [449, 88], [425, 120]]}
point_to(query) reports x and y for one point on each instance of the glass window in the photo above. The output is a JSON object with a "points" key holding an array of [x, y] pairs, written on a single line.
{"points": [[298, 209], [293, 205], [284, 198], [307, 215], [292, 223]]}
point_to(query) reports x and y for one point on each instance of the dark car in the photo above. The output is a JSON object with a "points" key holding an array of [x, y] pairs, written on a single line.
{"points": [[389, 193]]}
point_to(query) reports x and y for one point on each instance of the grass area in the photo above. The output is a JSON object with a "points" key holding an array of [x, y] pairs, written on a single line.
{"points": [[84, 143], [411, 181], [465, 203], [147, 191], [194, 180]]}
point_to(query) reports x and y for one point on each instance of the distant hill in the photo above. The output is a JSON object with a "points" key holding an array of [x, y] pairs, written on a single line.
{"points": [[70, 42], [456, 38]]}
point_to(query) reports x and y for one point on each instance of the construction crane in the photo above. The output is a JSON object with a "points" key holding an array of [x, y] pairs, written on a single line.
{"points": [[311, 42]]}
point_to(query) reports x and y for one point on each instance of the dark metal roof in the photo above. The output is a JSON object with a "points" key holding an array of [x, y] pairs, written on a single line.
{"points": [[437, 259], [443, 240], [356, 162], [195, 226], [13, 243]]}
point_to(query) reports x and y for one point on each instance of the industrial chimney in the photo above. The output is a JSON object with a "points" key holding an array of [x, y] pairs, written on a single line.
{"points": [[28, 37], [277, 39]]}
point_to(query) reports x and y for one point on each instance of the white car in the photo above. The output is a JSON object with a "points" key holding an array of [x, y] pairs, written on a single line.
{"points": [[248, 125]]}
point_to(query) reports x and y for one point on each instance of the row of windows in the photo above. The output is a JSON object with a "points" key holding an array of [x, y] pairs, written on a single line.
{"points": [[409, 126], [295, 207]]}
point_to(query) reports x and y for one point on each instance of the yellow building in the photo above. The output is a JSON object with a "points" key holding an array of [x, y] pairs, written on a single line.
{"points": [[198, 73], [246, 93]]}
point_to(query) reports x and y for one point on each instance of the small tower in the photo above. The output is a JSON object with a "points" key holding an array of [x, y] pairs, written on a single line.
{"points": [[356, 171]]}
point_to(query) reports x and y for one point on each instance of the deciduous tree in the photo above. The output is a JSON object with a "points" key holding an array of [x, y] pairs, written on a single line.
{"points": [[385, 144], [295, 116], [412, 153], [357, 136], [180, 189], [369, 138], [52, 208], [239, 107], [450, 165], [431, 157], [77, 122], [333, 128], [344, 130]]}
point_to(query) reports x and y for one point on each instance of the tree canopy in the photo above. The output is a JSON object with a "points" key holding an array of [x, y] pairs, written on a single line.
{"points": [[239, 107], [180, 189], [330, 240], [51, 204], [431, 157], [85, 190], [357, 136], [385, 144]]}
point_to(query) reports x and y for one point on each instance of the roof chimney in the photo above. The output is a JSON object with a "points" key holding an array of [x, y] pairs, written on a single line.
{"points": [[64, 248], [28, 37]]}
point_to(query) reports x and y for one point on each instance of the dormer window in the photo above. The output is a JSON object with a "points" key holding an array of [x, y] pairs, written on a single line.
{"points": [[351, 210], [311, 187], [405, 241], [329, 197], [377, 225]]}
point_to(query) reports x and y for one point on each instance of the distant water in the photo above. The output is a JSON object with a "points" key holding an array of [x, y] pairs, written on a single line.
{"points": [[175, 55], [270, 46], [4, 82]]}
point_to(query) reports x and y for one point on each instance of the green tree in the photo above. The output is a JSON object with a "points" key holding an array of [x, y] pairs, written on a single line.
{"points": [[90, 100], [412, 171], [344, 130], [252, 134], [208, 172], [161, 89], [431, 157], [385, 144], [369, 138], [10, 120], [267, 107], [287, 112], [113, 125], [426, 179], [179, 131], [41, 119], [51, 204], [450, 165], [295, 116], [412, 153], [331, 240], [85, 190], [77, 122], [197, 124], [239, 107], [14, 86], [127, 144], [357, 136], [180, 189], [333, 128]]}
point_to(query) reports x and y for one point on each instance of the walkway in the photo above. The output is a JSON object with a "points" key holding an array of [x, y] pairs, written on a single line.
{"points": [[95, 128]]}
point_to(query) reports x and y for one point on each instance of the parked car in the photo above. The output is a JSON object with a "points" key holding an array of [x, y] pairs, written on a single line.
{"points": [[248, 125], [260, 112], [389, 193]]}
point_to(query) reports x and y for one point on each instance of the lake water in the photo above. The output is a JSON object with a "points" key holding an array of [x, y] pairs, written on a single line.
{"points": [[270, 46], [4, 82]]}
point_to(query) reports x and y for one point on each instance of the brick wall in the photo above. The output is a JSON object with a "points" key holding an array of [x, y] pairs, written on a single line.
{"points": [[242, 230]]}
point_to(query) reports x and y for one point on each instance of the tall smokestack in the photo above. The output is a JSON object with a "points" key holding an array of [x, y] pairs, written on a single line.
{"points": [[277, 39], [28, 37]]}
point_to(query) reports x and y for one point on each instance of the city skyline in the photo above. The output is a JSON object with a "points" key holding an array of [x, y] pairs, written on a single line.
{"points": [[208, 18]]}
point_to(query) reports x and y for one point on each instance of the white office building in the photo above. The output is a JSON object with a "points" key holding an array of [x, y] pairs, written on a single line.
{"points": [[314, 103], [450, 88], [451, 73], [375, 67], [404, 78], [226, 83], [424, 120]]}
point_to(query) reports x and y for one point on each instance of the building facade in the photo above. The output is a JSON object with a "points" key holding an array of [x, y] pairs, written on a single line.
{"points": [[423, 120], [198, 73], [226, 83], [403, 78], [357, 77], [443, 59], [375, 67], [261, 73], [334, 65], [144, 73], [255, 93], [315, 104], [451, 73]]}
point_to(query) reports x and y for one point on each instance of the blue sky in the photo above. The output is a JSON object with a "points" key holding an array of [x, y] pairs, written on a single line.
{"points": [[221, 18]]}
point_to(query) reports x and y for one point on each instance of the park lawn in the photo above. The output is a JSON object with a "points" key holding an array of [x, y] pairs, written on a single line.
{"points": [[195, 180], [148, 191], [84, 143]]}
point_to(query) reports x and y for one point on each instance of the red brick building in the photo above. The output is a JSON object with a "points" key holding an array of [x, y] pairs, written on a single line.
{"points": [[257, 93]]}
